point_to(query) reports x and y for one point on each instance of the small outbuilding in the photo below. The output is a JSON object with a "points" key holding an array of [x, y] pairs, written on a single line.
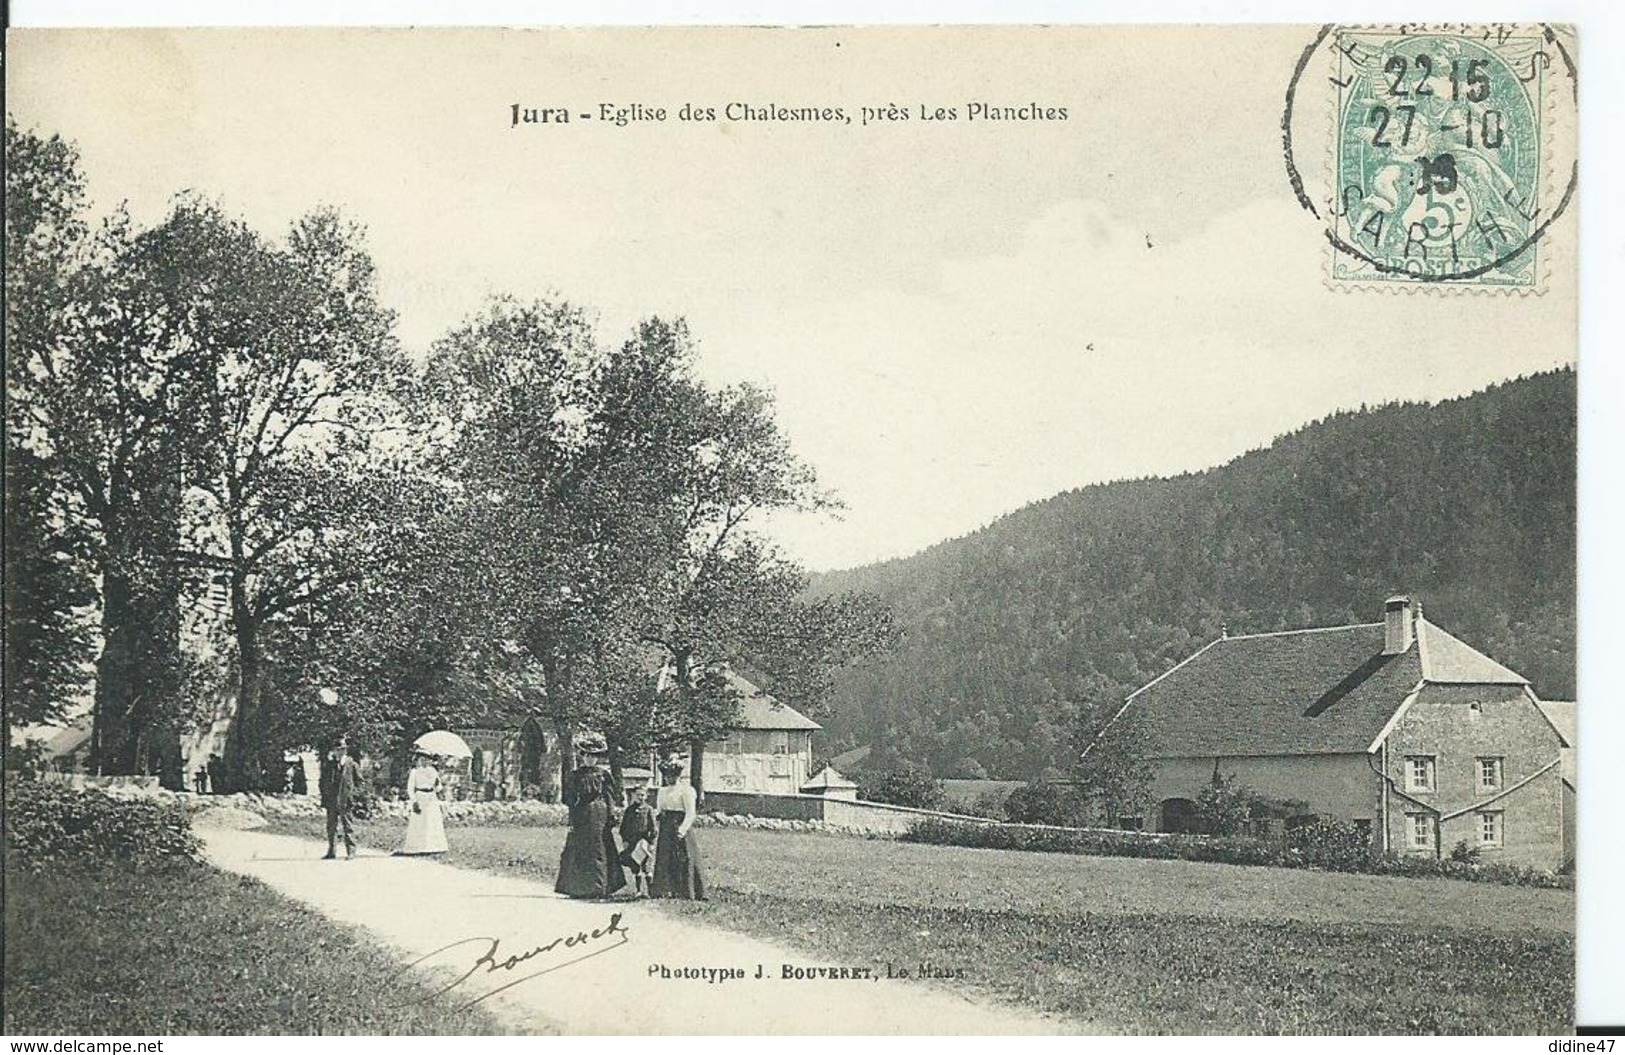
{"points": [[831, 785]]}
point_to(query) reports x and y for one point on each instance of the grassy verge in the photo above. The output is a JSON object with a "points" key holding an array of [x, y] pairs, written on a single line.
{"points": [[1131, 945], [192, 950], [1145, 973]]}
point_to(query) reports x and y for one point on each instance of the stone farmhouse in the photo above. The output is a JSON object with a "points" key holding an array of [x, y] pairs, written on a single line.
{"points": [[1397, 728]]}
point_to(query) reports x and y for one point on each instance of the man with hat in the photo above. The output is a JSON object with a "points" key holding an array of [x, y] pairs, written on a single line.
{"points": [[340, 785]]}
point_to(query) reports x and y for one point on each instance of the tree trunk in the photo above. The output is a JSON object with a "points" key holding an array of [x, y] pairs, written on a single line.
{"points": [[558, 707], [157, 676], [112, 742], [617, 788], [696, 770], [243, 765], [682, 668], [135, 725]]}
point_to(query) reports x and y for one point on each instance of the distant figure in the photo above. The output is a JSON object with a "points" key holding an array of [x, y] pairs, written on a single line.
{"points": [[639, 827], [425, 824], [340, 787], [589, 868], [216, 769], [300, 785], [677, 854], [200, 780]]}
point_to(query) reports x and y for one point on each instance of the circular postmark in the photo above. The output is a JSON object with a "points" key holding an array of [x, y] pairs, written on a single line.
{"points": [[1447, 151]]}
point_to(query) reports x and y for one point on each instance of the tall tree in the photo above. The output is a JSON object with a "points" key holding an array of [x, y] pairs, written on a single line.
{"points": [[295, 355], [99, 374], [48, 646], [607, 502], [711, 465], [47, 579], [508, 397]]}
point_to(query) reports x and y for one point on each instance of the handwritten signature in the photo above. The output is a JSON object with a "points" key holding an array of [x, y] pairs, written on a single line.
{"points": [[488, 963]]}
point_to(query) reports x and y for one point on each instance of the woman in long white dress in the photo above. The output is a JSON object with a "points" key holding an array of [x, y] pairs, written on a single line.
{"points": [[677, 852], [425, 825]]}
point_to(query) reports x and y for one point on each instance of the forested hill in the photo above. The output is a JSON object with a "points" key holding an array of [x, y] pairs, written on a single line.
{"points": [[1016, 634]]}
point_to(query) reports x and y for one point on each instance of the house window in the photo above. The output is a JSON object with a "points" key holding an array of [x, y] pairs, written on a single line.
{"points": [[1419, 773], [1489, 828], [1421, 831], [781, 743], [1489, 774]]}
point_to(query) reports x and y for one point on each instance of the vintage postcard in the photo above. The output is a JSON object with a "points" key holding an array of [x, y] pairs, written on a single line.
{"points": [[895, 530]]}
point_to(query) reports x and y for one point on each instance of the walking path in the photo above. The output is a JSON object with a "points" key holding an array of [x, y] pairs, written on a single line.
{"points": [[545, 964]]}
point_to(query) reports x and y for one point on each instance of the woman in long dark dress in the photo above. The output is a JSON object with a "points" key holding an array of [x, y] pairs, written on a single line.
{"points": [[588, 867], [677, 854]]}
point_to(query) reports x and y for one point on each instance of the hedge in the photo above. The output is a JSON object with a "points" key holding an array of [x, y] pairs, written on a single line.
{"points": [[1329, 847], [47, 823]]}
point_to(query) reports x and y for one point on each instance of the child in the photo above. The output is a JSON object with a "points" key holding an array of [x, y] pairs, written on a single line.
{"points": [[638, 828]]}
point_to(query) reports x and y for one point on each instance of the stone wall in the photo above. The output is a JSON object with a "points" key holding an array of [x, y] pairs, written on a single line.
{"points": [[851, 814]]}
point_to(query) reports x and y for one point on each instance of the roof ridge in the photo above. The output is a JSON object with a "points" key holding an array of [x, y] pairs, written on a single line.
{"points": [[1422, 652], [1302, 630], [1128, 701], [1165, 673]]}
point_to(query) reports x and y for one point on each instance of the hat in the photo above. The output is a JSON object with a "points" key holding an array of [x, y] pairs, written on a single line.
{"points": [[591, 744], [673, 765]]}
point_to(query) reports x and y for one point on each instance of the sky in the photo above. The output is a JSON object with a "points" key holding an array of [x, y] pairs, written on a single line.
{"points": [[957, 318]]}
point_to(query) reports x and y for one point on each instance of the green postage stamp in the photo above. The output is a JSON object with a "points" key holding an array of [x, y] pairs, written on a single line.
{"points": [[1441, 161]]}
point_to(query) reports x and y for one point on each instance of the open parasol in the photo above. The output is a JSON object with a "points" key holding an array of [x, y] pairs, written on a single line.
{"points": [[442, 743]]}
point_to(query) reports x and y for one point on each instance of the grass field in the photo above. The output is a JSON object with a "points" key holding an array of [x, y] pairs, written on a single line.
{"points": [[196, 951], [1131, 945]]}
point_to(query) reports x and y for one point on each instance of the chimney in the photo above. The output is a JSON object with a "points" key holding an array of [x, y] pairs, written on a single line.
{"points": [[1397, 626]]}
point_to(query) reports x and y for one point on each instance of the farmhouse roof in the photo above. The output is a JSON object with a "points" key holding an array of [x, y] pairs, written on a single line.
{"points": [[854, 757], [1330, 690], [1565, 716], [758, 710], [828, 777], [1447, 660]]}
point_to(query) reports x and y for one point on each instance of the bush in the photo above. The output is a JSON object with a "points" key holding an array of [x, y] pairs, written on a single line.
{"points": [[909, 787], [1463, 853], [366, 802], [1224, 807], [1325, 845], [967, 768], [1333, 846], [26, 758], [1042, 803], [988, 804], [52, 824]]}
